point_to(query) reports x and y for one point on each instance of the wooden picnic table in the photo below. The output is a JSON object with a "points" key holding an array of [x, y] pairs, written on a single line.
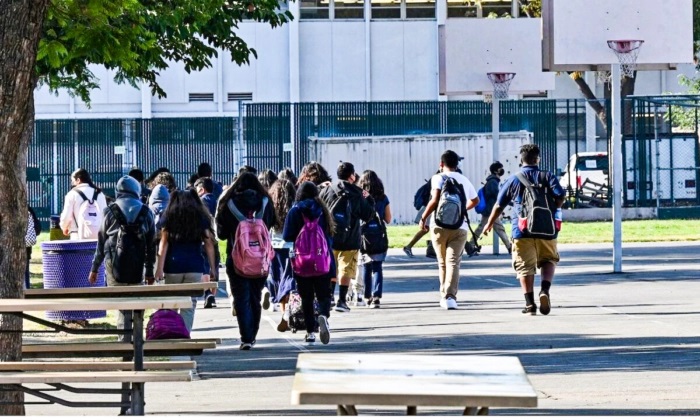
{"points": [[351, 379], [136, 305], [184, 289]]}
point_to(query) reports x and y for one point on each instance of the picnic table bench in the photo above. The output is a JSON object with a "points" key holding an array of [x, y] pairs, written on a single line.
{"points": [[184, 289], [133, 395], [351, 379]]}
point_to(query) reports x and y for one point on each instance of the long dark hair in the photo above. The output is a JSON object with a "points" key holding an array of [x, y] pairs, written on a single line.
{"points": [[288, 174], [309, 190], [313, 172], [243, 182], [83, 176], [267, 178], [282, 193], [370, 182], [186, 218]]}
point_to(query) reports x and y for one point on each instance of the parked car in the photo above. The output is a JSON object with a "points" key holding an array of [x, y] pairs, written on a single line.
{"points": [[586, 178]]}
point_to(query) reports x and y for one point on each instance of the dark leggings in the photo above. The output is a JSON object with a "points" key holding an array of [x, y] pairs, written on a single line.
{"points": [[307, 288]]}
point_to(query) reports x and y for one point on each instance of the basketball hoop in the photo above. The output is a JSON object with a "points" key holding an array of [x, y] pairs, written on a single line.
{"points": [[501, 83], [627, 51]]}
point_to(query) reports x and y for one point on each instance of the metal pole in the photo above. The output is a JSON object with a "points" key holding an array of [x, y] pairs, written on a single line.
{"points": [[495, 149], [658, 158], [617, 166]]}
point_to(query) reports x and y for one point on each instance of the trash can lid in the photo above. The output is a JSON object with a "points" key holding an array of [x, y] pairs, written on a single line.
{"points": [[69, 245]]}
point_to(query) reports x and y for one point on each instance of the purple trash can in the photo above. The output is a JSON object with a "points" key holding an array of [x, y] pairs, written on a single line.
{"points": [[67, 263]]}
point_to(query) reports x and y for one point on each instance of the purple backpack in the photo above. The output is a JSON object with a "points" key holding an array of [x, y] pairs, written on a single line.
{"points": [[165, 324], [311, 256]]}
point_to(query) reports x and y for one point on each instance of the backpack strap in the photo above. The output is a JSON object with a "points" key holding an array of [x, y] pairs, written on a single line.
{"points": [[83, 196], [95, 194], [118, 214], [261, 212], [238, 215], [526, 182], [141, 217]]}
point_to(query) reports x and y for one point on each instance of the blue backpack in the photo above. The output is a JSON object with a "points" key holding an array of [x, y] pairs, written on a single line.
{"points": [[481, 207]]}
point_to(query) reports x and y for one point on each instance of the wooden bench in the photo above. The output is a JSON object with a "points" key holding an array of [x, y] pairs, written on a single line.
{"points": [[185, 289], [93, 366], [191, 347]]}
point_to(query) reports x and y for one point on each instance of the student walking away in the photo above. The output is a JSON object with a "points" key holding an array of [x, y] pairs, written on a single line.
{"points": [[281, 280], [186, 226], [204, 170], [243, 219], [166, 179], [137, 174], [125, 243], [348, 206], [158, 202], [30, 238], [205, 187], [375, 241], [490, 194], [420, 200], [537, 198], [452, 194], [82, 210], [310, 226]]}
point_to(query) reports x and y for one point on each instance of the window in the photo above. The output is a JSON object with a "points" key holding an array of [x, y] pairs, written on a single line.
{"points": [[314, 9], [403, 9], [488, 8], [332, 9]]}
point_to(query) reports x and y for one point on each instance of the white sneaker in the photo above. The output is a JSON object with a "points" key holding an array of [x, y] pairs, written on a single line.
{"points": [[359, 302], [443, 303], [451, 303], [265, 301], [275, 307]]}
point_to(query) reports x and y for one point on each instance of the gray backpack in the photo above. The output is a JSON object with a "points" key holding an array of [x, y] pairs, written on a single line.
{"points": [[452, 207]]}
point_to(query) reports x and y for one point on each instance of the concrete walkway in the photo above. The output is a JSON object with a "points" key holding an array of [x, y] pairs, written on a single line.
{"points": [[614, 344]]}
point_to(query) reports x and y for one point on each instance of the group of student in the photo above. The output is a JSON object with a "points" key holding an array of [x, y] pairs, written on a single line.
{"points": [[300, 238], [285, 235]]}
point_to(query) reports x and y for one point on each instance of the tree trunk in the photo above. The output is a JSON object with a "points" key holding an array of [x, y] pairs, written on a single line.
{"points": [[592, 100], [20, 29]]}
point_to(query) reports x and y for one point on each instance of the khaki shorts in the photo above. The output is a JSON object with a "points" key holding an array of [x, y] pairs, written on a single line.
{"points": [[346, 262], [529, 254]]}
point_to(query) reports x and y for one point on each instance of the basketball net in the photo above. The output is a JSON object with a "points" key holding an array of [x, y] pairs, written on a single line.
{"points": [[501, 84], [627, 52]]}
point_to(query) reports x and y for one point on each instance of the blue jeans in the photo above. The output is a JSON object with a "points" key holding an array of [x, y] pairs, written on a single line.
{"points": [[373, 278], [246, 299]]}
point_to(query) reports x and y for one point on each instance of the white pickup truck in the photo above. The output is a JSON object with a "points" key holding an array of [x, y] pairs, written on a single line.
{"points": [[586, 173]]}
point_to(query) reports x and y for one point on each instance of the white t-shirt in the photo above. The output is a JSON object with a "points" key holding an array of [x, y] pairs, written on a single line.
{"points": [[437, 181]]}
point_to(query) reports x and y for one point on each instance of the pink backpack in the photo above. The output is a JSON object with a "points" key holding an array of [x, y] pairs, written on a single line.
{"points": [[252, 249], [166, 324], [311, 256]]}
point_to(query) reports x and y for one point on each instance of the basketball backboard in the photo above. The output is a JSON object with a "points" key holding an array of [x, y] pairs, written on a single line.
{"points": [[575, 33], [471, 48]]}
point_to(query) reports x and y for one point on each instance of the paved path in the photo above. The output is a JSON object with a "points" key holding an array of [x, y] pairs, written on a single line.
{"points": [[622, 344]]}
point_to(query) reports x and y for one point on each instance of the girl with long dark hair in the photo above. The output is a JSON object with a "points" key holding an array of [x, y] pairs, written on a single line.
{"points": [[309, 207], [267, 178], [281, 280], [371, 265], [185, 226], [77, 219], [248, 197], [314, 172]]}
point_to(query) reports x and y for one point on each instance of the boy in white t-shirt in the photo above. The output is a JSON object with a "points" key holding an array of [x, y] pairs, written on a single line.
{"points": [[448, 243]]}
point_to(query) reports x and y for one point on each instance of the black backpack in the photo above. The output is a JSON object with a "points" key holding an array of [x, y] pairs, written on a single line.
{"points": [[536, 218], [130, 246], [339, 206], [422, 196], [374, 236]]}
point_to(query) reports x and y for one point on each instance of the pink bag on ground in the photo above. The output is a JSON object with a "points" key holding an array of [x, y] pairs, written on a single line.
{"points": [[166, 324]]}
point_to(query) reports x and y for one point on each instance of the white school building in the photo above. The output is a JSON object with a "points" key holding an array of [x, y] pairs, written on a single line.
{"points": [[333, 51]]}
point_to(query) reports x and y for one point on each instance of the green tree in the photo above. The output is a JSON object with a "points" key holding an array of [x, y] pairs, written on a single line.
{"points": [[54, 42]]}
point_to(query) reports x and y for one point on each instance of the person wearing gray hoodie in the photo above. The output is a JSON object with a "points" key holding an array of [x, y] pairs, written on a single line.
{"points": [[129, 203], [158, 201]]}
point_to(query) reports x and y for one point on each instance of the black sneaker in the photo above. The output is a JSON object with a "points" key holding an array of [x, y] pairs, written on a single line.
{"points": [[408, 251], [342, 307], [310, 338], [324, 329], [545, 306], [375, 304], [210, 301], [530, 310], [245, 346]]}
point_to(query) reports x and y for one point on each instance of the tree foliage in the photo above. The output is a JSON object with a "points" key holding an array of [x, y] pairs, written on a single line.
{"points": [[137, 38]]}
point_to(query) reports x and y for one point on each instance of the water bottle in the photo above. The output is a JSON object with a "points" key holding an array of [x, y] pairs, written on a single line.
{"points": [[557, 219]]}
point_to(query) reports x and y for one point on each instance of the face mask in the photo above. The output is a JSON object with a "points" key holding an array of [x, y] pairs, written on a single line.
{"points": [[501, 172]]}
